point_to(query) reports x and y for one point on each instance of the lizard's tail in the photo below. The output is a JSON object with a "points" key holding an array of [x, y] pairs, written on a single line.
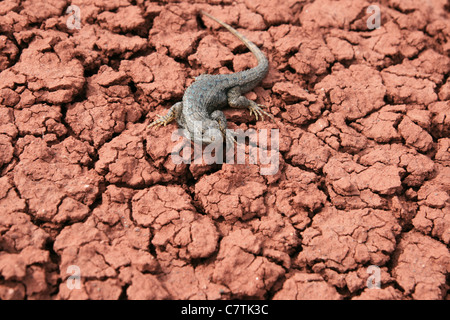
{"points": [[262, 60]]}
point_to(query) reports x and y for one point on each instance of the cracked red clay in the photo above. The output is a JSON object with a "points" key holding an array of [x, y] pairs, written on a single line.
{"points": [[364, 166]]}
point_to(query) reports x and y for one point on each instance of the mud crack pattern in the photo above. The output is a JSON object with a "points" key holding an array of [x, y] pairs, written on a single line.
{"points": [[364, 177]]}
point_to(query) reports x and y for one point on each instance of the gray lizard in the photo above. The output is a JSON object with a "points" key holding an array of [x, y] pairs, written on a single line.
{"points": [[200, 110]]}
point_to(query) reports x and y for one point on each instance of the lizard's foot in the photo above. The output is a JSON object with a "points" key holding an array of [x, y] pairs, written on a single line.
{"points": [[257, 110], [162, 121], [236, 100], [173, 113]]}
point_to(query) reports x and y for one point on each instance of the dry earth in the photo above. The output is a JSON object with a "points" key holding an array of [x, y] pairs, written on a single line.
{"points": [[364, 176]]}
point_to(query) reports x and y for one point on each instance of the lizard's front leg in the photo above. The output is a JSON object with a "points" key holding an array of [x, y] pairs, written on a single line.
{"points": [[237, 100], [173, 113]]}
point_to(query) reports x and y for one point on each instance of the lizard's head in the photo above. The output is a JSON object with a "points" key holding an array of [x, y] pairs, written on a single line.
{"points": [[212, 133], [209, 132]]}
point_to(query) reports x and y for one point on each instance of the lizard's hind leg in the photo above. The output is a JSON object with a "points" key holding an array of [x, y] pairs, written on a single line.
{"points": [[173, 113], [237, 100]]}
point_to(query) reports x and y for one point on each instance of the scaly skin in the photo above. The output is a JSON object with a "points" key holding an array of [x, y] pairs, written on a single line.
{"points": [[199, 111]]}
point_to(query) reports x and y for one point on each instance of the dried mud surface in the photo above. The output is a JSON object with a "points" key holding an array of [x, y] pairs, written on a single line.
{"points": [[364, 179]]}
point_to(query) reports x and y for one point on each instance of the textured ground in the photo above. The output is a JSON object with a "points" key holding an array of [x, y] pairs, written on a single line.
{"points": [[364, 179]]}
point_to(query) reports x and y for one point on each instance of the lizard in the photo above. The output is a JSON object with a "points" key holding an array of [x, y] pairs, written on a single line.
{"points": [[200, 113]]}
